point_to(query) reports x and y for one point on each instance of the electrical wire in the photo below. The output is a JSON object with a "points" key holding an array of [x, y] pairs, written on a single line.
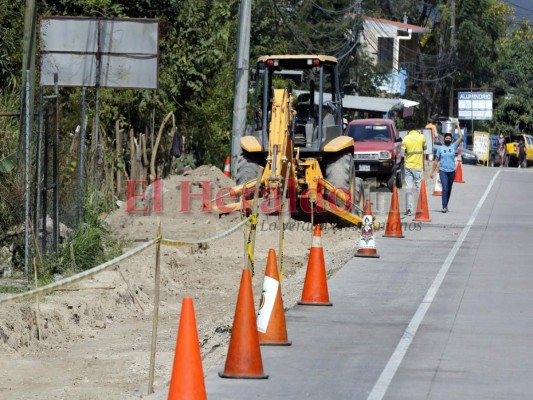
{"points": [[335, 12], [423, 68]]}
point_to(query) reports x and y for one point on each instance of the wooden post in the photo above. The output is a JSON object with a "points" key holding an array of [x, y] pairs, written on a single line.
{"points": [[132, 156], [283, 204], [37, 313], [144, 161], [155, 317], [119, 160]]}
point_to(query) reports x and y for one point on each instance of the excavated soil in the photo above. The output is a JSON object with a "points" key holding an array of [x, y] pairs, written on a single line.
{"points": [[92, 340]]}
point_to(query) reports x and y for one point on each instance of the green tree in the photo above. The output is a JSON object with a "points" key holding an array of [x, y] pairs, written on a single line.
{"points": [[12, 17], [513, 72]]}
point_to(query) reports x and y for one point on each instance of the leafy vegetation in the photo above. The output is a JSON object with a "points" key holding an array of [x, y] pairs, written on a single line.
{"points": [[89, 245], [12, 289]]}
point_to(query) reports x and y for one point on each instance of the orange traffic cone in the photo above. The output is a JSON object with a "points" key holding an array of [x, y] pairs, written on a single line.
{"points": [[244, 354], [271, 323], [394, 223], [187, 379], [227, 167], [437, 190], [367, 243], [459, 169], [422, 212], [315, 291]]}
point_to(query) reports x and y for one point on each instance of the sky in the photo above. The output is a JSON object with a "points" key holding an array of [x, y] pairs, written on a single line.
{"points": [[523, 9]]}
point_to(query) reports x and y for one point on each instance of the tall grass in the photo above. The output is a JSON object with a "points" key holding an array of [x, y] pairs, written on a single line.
{"points": [[90, 244], [11, 186]]}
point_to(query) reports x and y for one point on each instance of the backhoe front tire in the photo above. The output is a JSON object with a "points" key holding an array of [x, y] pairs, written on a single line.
{"points": [[340, 172]]}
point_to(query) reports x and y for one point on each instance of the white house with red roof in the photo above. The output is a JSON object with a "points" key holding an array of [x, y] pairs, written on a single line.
{"points": [[391, 43]]}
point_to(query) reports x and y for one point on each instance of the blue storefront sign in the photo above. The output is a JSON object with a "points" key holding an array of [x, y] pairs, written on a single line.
{"points": [[475, 105]]}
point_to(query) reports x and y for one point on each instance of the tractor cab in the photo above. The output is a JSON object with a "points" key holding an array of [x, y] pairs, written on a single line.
{"points": [[312, 81]]}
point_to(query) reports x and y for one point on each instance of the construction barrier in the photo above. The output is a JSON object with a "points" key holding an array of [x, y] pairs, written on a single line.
{"points": [[315, 290], [437, 191], [271, 323], [367, 241], [394, 223], [244, 359], [187, 379], [459, 169], [179, 243], [227, 165], [422, 210]]}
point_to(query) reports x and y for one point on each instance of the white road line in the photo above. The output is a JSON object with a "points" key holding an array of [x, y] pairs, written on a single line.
{"points": [[383, 383]]}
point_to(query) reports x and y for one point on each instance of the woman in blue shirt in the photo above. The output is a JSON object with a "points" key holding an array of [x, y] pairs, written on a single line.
{"points": [[445, 159]]}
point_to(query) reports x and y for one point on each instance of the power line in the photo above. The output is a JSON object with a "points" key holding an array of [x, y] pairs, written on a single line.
{"points": [[528, 10]]}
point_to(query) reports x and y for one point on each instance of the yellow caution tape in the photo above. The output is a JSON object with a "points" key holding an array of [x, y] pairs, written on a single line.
{"points": [[102, 267], [179, 243], [78, 277], [281, 242], [250, 243]]}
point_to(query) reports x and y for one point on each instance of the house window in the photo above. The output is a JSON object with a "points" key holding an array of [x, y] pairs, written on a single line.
{"points": [[385, 52]]}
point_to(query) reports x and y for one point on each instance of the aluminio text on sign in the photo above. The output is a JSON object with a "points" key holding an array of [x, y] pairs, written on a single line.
{"points": [[114, 53], [475, 105]]}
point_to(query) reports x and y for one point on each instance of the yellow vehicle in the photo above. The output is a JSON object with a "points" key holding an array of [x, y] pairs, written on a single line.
{"points": [[512, 143], [300, 144]]}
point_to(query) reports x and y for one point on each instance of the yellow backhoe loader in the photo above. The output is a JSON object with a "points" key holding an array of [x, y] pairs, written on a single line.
{"points": [[296, 137]]}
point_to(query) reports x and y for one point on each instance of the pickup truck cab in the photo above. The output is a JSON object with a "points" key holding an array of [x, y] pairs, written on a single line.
{"points": [[377, 150]]}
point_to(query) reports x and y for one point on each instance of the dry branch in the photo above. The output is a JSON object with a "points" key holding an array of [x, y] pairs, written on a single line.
{"points": [[153, 175]]}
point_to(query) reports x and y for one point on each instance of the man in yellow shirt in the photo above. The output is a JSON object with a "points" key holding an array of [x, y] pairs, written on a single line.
{"points": [[413, 146]]}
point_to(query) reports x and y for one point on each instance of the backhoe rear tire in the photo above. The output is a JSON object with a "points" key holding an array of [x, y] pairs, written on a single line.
{"points": [[247, 167]]}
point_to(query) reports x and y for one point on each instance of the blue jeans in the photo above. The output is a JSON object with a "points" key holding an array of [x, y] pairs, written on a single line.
{"points": [[412, 177], [446, 179]]}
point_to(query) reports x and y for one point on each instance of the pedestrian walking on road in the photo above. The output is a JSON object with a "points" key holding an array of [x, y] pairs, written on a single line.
{"points": [[522, 154], [413, 146], [445, 160], [502, 150]]}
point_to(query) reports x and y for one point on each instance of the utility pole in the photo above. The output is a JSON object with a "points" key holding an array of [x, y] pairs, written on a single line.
{"points": [[240, 101], [453, 52], [28, 64], [452, 27]]}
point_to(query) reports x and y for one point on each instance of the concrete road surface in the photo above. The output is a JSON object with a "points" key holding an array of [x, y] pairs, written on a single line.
{"points": [[444, 313]]}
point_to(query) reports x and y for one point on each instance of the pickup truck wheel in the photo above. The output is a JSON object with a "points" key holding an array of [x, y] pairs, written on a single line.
{"points": [[400, 176], [340, 172], [391, 181], [491, 161], [247, 167]]}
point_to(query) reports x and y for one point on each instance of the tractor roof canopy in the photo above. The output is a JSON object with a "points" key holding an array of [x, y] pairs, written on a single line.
{"points": [[298, 61]]}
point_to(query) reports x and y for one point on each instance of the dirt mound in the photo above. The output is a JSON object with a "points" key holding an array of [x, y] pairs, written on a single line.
{"points": [[103, 326]]}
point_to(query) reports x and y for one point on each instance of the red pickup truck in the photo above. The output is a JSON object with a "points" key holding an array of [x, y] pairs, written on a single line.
{"points": [[377, 150]]}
